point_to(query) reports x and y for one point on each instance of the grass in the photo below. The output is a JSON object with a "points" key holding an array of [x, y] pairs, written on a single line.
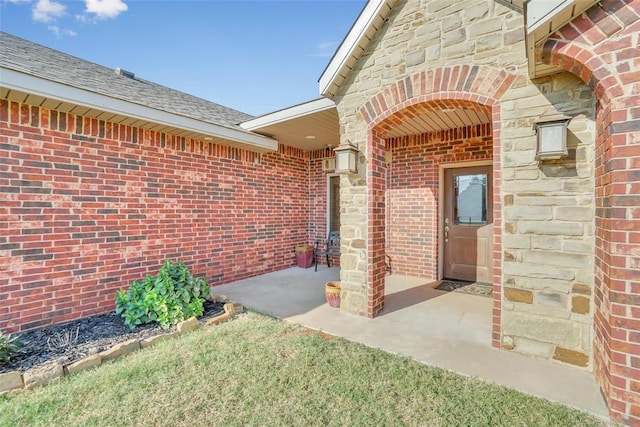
{"points": [[260, 371]]}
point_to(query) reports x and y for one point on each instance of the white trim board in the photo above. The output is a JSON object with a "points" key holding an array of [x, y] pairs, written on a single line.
{"points": [[22, 82]]}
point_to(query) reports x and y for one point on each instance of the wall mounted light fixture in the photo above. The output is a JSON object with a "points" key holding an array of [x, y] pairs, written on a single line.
{"points": [[346, 158], [552, 136]]}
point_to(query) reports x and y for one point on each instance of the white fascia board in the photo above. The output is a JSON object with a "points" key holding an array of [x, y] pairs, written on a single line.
{"points": [[15, 80], [541, 11], [362, 24], [290, 113]]}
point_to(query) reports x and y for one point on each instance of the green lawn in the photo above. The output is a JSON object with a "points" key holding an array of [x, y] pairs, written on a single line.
{"points": [[260, 371]]}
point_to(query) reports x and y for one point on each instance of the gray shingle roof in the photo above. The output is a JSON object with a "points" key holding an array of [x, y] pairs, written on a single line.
{"points": [[30, 58]]}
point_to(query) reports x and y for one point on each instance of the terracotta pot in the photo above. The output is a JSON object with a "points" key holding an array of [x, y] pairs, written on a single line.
{"points": [[332, 292]]}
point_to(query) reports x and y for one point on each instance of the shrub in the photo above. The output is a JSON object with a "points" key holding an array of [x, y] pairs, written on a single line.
{"points": [[9, 345], [170, 297]]}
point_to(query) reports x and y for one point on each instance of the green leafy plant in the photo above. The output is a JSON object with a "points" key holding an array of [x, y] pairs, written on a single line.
{"points": [[168, 298], [9, 345]]}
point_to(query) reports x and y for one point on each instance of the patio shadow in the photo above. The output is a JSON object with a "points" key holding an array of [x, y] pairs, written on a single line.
{"points": [[404, 298]]}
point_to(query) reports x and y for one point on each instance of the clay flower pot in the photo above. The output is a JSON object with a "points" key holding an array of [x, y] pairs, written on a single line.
{"points": [[332, 292]]}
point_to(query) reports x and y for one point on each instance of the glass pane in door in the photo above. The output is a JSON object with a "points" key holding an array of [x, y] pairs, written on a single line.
{"points": [[471, 199]]}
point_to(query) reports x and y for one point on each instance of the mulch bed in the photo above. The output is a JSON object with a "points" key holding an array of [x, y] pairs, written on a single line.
{"points": [[68, 342]]}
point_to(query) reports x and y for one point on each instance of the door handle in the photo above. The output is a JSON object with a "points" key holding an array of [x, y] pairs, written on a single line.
{"points": [[446, 233]]}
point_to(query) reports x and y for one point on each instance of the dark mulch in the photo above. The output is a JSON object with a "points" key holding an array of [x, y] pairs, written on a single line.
{"points": [[68, 342], [474, 288]]}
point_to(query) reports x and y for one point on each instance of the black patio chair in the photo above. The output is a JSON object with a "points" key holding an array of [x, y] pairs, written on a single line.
{"points": [[332, 248]]}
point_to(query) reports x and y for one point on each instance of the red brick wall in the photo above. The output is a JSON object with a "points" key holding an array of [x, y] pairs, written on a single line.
{"points": [[88, 206], [601, 47], [412, 192]]}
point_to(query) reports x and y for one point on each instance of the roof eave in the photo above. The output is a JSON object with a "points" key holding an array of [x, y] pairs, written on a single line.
{"points": [[290, 113], [335, 72], [542, 19], [15, 80]]}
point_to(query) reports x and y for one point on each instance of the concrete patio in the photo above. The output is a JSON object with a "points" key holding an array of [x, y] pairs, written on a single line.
{"points": [[450, 330]]}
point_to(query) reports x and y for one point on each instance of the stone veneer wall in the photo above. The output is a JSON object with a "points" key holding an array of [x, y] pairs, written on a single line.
{"points": [[549, 219], [472, 53], [412, 193]]}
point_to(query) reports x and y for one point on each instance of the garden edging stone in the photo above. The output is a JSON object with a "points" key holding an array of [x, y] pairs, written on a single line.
{"points": [[15, 381]]}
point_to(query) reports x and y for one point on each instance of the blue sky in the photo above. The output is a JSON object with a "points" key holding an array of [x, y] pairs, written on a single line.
{"points": [[254, 56]]}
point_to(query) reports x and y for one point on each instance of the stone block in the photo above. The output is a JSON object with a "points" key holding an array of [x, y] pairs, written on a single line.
{"points": [[437, 5], [218, 319], [84, 364], [221, 298], [580, 305], [519, 158], [571, 356], [189, 325], [507, 343], [579, 246], [578, 186], [558, 259], [238, 307], [230, 309], [451, 23], [539, 283], [119, 350], [544, 311], [11, 381], [348, 261], [527, 174], [533, 348], [528, 212], [517, 241], [43, 375], [518, 295], [581, 288], [551, 228], [151, 341], [454, 37], [574, 213], [476, 11], [415, 58], [537, 271], [490, 26], [552, 299], [555, 331], [546, 242]]}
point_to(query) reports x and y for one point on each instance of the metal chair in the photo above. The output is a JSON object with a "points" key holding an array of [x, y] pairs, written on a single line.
{"points": [[332, 248]]}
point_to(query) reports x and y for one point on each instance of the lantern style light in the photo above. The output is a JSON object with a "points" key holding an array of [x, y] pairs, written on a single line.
{"points": [[346, 158], [552, 136]]}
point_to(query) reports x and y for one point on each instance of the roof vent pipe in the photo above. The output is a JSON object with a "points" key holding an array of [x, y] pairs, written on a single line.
{"points": [[125, 73]]}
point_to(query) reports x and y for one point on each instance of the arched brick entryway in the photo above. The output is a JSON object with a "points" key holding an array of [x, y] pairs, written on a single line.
{"points": [[601, 48], [460, 86]]}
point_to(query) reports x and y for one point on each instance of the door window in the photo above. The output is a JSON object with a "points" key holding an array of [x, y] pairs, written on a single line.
{"points": [[471, 199]]}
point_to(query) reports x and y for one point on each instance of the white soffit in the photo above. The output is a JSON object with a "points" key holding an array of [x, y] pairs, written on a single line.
{"points": [[142, 115], [543, 18], [309, 126], [363, 30]]}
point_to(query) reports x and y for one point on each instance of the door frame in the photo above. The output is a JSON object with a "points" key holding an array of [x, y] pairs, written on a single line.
{"points": [[328, 204], [441, 192]]}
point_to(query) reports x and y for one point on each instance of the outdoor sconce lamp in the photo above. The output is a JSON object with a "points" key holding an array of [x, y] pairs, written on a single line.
{"points": [[552, 136], [346, 158]]}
